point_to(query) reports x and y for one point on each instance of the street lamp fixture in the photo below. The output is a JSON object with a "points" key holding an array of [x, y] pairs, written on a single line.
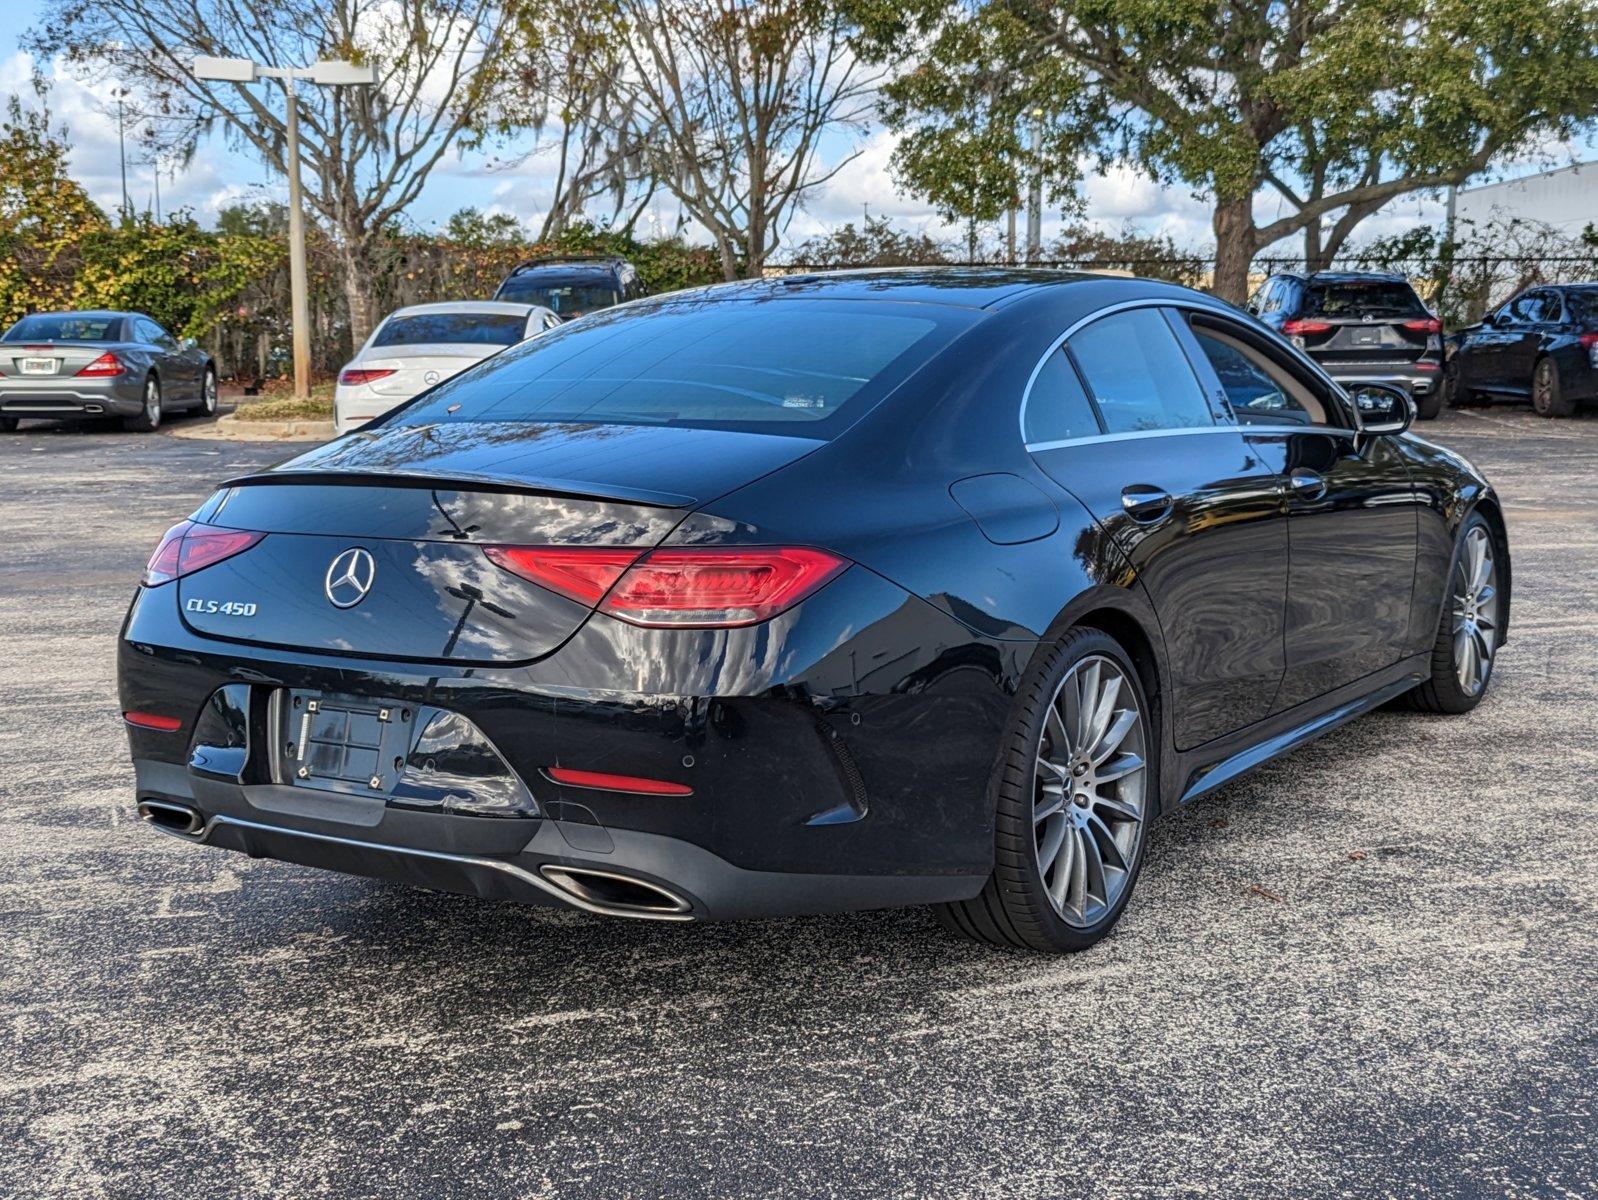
{"points": [[327, 73]]}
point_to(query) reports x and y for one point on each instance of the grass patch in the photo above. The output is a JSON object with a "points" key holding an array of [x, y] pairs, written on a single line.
{"points": [[284, 407]]}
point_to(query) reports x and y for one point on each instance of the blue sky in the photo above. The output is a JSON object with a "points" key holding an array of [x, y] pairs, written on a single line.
{"points": [[218, 175]]}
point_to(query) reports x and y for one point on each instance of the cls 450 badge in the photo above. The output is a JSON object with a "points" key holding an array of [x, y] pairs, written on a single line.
{"points": [[225, 608]]}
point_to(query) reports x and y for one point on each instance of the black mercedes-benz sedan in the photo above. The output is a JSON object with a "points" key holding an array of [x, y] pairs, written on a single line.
{"points": [[1541, 345], [818, 593]]}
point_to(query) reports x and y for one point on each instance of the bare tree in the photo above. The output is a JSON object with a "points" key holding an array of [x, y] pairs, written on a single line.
{"points": [[736, 96], [365, 152], [567, 68]]}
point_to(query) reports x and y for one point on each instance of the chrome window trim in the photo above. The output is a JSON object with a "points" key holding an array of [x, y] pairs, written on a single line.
{"points": [[1138, 434], [1214, 310]]}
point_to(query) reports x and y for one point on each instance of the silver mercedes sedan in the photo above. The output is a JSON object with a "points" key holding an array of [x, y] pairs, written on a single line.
{"points": [[92, 364]]}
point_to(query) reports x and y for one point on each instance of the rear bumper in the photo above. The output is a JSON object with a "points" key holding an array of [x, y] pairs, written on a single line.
{"points": [[547, 862], [823, 778], [1415, 382], [116, 397]]}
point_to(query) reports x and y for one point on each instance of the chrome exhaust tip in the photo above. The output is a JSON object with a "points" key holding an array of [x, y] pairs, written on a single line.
{"points": [[177, 819], [619, 895]]}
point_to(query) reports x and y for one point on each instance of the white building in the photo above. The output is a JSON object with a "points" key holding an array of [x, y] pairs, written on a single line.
{"points": [[1566, 198]]}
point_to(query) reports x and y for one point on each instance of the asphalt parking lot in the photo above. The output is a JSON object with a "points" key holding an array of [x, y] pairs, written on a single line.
{"points": [[1370, 968]]}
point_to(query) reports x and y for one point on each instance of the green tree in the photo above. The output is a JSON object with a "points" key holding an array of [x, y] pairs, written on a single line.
{"points": [[45, 215], [477, 230], [1337, 105], [876, 243]]}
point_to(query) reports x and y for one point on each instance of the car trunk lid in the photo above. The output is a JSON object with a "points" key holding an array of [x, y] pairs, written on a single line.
{"points": [[375, 545], [420, 367], [48, 360]]}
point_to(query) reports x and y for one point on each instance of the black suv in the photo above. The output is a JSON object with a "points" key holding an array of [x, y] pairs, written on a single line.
{"points": [[572, 286], [1361, 327]]}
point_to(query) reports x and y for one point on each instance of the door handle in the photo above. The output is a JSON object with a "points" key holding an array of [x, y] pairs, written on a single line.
{"points": [[1307, 484], [1145, 502]]}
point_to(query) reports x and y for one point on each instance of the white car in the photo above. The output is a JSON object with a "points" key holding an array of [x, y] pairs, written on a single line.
{"points": [[414, 348]]}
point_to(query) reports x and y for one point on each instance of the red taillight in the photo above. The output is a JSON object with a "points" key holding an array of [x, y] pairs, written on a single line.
{"points": [[617, 783], [187, 547], [582, 573], [1425, 325], [355, 378], [1589, 340], [720, 587], [1424, 365], [146, 720], [1300, 328], [106, 365]]}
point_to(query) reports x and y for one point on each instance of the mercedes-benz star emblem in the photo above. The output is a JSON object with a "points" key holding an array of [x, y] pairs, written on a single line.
{"points": [[430, 378], [349, 578]]}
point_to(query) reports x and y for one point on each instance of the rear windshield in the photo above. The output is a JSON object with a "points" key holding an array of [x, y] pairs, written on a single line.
{"points": [[1362, 298], [568, 299], [797, 366], [478, 329], [64, 329]]}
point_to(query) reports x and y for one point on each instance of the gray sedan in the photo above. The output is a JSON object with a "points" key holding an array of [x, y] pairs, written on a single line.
{"points": [[89, 364]]}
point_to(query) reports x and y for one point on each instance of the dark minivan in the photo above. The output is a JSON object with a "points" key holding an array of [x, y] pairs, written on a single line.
{"points": [[1361, 327], [572, 287]]}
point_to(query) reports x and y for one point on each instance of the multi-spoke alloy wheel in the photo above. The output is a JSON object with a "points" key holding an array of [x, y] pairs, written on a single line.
{"points": [[1074, 789], [1088, 796], [1475, 611]]}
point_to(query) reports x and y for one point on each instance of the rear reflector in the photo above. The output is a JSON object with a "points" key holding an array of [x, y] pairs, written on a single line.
{"points": [[617, 783], [106, 365], [581, 573], [354, 378], [709, 588], [1426, 365], [146, 720], [1425, 325], [188, 547]]}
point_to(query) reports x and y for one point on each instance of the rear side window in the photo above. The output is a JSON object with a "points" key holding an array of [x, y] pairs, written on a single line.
{"points": [[771, 366], [462, 328], [1139, 375], [1058, 407], [64, 329], [1362, 298]]}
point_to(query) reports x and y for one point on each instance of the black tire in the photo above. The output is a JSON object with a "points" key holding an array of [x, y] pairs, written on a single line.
{"points": [[8, 424], [1429, 406], [208, 394], [1013, 909], [1548, 390], [148, 419], [1443, 692], [1455, 393]]}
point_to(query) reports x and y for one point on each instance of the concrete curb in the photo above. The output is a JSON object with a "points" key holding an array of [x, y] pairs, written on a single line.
{"points": [[230, 429]]}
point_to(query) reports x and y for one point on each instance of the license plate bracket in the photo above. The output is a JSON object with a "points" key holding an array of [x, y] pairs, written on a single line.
{"points": [[342, 743]]}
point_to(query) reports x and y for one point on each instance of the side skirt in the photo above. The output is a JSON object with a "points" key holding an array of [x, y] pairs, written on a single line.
{"points": [[1215, 773]]}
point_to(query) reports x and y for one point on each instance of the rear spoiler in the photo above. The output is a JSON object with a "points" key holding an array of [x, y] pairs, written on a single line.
{"points": [[466, 481]]}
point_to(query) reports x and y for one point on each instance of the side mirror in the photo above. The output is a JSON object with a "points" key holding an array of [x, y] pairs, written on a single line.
{"points": [[1381, 408]]}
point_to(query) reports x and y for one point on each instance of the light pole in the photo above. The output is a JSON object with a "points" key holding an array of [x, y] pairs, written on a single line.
{"points": [[328, 73], [1034, 214]]}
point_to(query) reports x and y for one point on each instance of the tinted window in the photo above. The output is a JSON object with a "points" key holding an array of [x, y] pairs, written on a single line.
{"points": [[474, 329], [1139, 375], [1362, 298], [1524, 308], [64, 329], [149, 331], [1256, 397], [567, 299], [801, 366], [1057, 406]]}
